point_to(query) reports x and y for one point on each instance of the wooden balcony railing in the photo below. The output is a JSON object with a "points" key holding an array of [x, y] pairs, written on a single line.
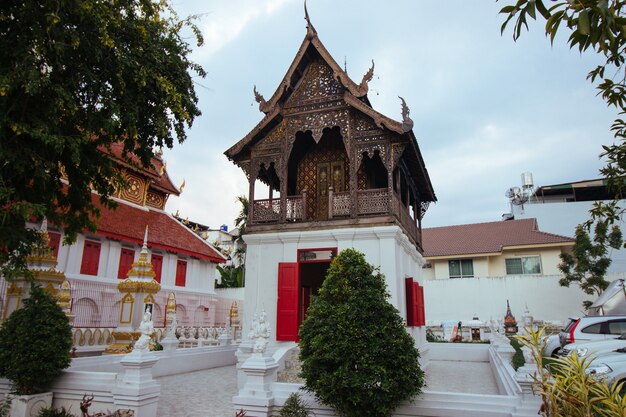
{"points": [[266, 211], [371, 202]]}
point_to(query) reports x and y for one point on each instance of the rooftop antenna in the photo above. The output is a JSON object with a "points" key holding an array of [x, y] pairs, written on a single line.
{"points": [[518, 196]]}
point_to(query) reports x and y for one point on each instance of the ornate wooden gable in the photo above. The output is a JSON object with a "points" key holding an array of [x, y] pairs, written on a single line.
{"points": [[333, 160]]}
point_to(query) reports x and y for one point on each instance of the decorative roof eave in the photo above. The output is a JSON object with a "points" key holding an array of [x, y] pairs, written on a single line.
{"points": [[238, 147], [424, 171], [166, 184], [380, 119]]}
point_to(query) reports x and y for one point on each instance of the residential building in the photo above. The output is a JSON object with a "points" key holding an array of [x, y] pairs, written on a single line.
{"points": [[478, 267], [493, 249]]}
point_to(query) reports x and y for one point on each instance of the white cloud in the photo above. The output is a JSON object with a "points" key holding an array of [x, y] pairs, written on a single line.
{"points": [[229, 20]]}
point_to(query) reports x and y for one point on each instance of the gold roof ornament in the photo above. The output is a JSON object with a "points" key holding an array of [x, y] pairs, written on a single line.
{"points": [[162, 170], [141, 275], [180, 190], [41, 261]]}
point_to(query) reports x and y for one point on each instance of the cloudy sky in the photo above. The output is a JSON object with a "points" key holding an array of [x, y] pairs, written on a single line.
{"points": [[485, 108]]}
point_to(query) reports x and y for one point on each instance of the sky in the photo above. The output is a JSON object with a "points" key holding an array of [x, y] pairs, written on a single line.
{"points": [[485, 108]]}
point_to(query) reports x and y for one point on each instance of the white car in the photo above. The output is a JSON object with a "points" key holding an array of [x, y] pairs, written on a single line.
{"points": [[595, 348], [610, 367], [589, 328], [553, 345]]}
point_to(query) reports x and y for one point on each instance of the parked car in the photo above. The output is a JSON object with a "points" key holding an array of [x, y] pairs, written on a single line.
{"points": [[588, 328], [553, 345], [611, 367], [594, 348]]}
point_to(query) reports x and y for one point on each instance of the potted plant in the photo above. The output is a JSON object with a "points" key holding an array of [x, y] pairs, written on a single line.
{"points": [[35, 343]]}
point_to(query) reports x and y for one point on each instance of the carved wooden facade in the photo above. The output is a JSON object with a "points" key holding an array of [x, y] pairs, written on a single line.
{"points": [[328, 159]]}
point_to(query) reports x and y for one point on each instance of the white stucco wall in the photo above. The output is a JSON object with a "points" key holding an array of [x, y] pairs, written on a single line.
{"points": [[460, 299], [385, 246]]}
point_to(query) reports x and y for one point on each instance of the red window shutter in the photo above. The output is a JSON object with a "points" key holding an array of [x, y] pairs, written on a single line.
{"points": [[420, 301], [287, 306], [54, 243], [91, 258], [127, 256], [410, 315], [181, 273], [157, 266], [416, 307]]}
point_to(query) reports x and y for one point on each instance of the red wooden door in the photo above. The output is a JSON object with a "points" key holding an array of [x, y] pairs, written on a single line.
{"points": [[410, 313], [287, 304]]}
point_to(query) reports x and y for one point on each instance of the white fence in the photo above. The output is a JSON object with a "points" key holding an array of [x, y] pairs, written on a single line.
{"points": [[462, 299]]}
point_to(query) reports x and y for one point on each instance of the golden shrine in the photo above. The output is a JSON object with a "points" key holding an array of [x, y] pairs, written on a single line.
{"points": [[41, 264], [137, 297]]}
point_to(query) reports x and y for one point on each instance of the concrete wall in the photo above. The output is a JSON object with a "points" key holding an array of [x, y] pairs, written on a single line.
{"points": [[386, 247], [460, 299]]}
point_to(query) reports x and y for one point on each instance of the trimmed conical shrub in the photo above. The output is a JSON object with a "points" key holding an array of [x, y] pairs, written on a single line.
{"points": [[356, 354]]}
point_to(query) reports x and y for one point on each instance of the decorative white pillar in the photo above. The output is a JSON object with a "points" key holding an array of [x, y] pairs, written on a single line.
{"points": [[137, 390], [256, 396]]}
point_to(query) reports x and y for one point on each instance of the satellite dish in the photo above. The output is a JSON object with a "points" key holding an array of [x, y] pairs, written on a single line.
{"points": [[515, 196]]}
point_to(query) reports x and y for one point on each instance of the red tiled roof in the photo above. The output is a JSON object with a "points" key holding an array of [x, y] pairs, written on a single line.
{"points": [[490, 237], [128, 223]]}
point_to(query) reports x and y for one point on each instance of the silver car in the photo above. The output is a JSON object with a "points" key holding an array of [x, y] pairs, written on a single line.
{"points": [[610, 367]]}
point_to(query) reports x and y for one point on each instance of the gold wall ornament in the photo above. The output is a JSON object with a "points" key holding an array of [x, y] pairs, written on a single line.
{"points": [[171, 303], [131, 286]]}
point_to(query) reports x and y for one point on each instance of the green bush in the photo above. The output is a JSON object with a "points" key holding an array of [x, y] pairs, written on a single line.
{"points": [[295, 406], [356, 354], [35, 343], [518, 357], [55, 412]]}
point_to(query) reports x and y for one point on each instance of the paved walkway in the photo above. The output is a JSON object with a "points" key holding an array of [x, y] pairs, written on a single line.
{"points": [[209, 393]]}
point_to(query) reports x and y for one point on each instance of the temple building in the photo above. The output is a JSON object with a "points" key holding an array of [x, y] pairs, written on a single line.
{"points": [[328, 172], [183, 262]]}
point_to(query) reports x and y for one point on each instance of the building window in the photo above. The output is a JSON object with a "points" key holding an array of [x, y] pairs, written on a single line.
{"points": [[157, 266], [461, 268], [181, 273], [529, 265], [127, 257], [54, 241], [91, 258]]}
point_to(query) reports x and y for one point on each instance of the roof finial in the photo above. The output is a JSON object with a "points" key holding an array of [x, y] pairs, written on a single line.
{"points": [[310, 30], [345, 64], [180, 190], [367, 78], [145, 239], [407, 122], [261, 100]]}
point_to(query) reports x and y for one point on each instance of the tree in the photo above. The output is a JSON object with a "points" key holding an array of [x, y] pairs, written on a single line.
{"points": [[356, 354], [589, 261], [600, 26], [35, 343], [231, 276], [241, 221], [75, 78]]}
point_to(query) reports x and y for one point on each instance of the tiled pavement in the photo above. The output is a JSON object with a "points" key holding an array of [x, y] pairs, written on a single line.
{"points": [[209, 393]]}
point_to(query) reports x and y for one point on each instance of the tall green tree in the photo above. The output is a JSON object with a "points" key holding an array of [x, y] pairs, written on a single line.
{"points": [[590, 259], [75, 78], [599, 27], [356, 354]]}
